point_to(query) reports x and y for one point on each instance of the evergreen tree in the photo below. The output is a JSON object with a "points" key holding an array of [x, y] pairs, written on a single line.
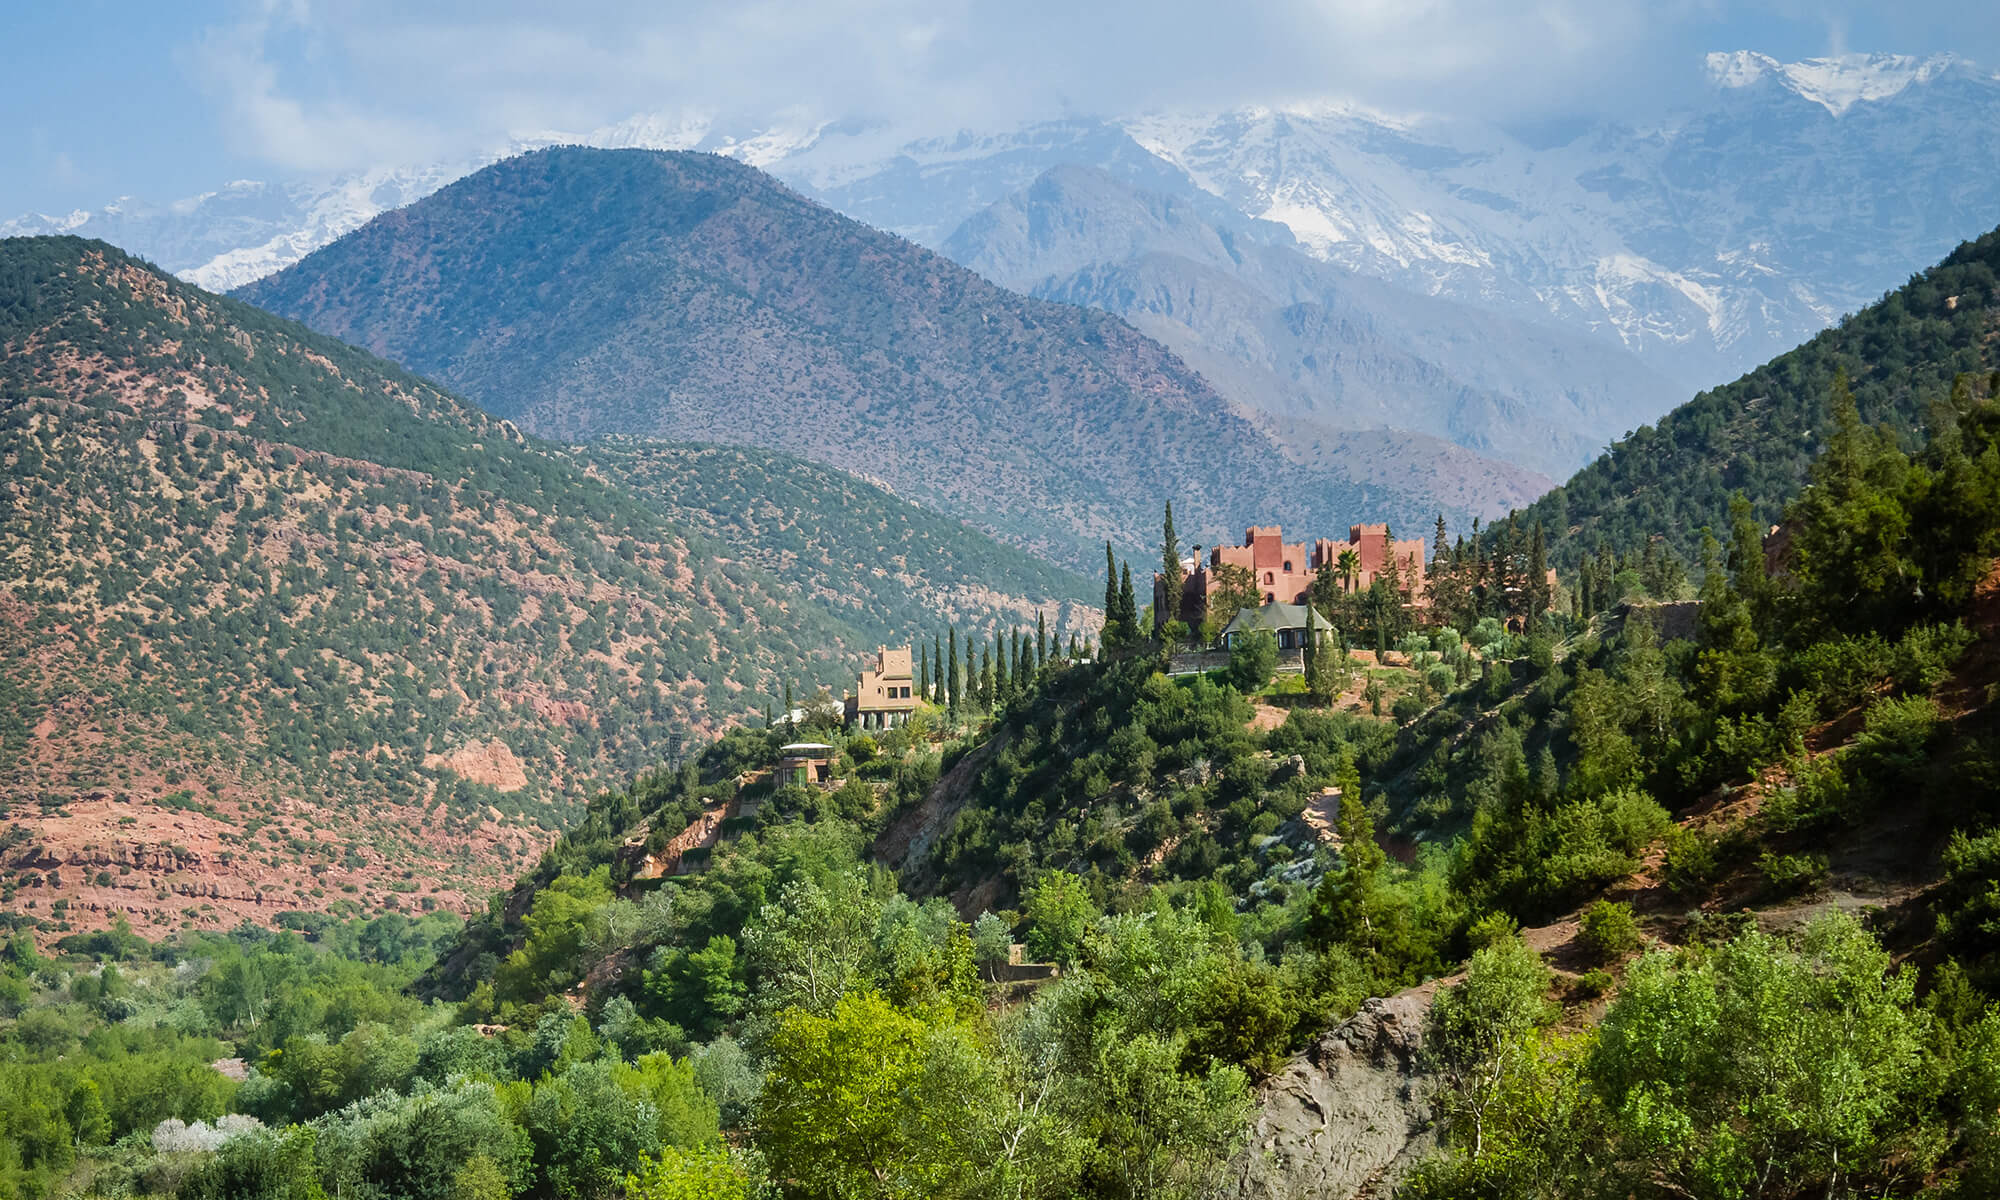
{"points": [[923, 671], [1041, 640], [1128, 604], [791, 724], [955, 686], [1168, 605], [1746, 561], [986, 678], [1073, 650], [1024, 663], [1003, 687], [937, 671], [1536, 585], [1110, 596]]}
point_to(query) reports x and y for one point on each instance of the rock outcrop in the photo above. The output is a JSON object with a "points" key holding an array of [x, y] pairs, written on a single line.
{"points": [[1348, 1117]]}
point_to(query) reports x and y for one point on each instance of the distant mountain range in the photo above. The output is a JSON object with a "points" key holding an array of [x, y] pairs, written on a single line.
{"points": [[1286, 334], [1705, 241], [688, 296]]}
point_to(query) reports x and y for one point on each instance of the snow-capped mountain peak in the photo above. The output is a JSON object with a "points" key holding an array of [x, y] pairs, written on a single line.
{"points": [[1837, 83]]}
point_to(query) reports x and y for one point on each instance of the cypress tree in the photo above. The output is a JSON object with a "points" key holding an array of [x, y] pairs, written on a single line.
{"points": [[1128, 604], [791, 725], [955, 689], [1072, 645], [1110, 594], [1024, 662], [937, 670], [1002, 685], [923, 671], [1041, 640], [985, 686], [1168, 605]]}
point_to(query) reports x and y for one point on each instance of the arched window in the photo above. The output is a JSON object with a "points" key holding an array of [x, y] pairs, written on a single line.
{"points": [[1270, 578], [1288, 566], [1270, 598]]}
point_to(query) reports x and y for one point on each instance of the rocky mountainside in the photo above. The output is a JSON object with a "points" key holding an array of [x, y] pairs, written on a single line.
{"points": [[687, 296], [1279, 331], [270, 600]]}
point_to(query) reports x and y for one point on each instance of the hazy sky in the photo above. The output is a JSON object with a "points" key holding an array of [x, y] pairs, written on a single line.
{"points": [[163, 100]]}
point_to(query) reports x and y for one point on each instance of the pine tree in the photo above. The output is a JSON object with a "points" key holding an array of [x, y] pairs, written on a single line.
{"points": [[1536, 586], [1168, 605]]}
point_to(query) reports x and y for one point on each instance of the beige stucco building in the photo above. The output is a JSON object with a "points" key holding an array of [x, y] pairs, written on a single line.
{"points": [[886, 696]]}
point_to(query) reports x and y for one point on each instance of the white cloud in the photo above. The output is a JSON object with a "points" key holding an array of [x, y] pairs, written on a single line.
{"points": [[341, 83]]}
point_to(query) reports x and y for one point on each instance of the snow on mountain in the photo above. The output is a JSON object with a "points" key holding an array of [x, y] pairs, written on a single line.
{"points": [[1837, 84], [1704, 240]]}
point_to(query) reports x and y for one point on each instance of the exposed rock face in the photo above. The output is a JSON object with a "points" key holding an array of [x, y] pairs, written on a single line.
{"points": [[1348, 1117]]}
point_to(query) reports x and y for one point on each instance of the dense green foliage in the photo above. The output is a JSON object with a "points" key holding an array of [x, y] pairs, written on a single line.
{"points": [[1757, 435]]}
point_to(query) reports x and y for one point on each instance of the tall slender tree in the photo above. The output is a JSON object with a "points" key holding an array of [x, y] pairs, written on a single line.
{"points": [[1110, 595], [1041, 640], [1128, 604], [1024, 663], [1167, 605], [1536, 585], [955, 688], [937, 670], [923, 671], [1003, 686]]}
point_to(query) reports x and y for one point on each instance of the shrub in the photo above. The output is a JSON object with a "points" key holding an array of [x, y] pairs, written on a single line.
{"points": [[1792, 874], [1925, 654], [1252, 659], [1891, 749], [1594, 983], [1692, 862], [1608, 931], [1819, 795], [1839, 673]]}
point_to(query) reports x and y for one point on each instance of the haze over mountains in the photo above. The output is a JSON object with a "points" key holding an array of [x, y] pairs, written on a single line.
{"points": [[1703, 241], [688, 296]]}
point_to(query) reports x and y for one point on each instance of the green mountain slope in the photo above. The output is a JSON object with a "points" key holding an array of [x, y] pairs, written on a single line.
{"points": [[271, 601], [1758, 434], [690, 297], [884, 566]]}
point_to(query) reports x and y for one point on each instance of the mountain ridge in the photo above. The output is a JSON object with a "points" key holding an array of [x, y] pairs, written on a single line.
{"points": [[541, 286]]}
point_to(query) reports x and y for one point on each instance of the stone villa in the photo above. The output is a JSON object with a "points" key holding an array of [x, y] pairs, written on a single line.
{"points": [[886, 696], [1284, 573]]}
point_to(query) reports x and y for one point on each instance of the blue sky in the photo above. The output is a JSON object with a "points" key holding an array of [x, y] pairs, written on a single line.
{"points": [[105, 98]]}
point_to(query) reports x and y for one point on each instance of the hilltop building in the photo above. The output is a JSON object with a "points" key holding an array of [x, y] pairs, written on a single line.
{"points": [[1283, 573], [886, 696], [1287, 621]]}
